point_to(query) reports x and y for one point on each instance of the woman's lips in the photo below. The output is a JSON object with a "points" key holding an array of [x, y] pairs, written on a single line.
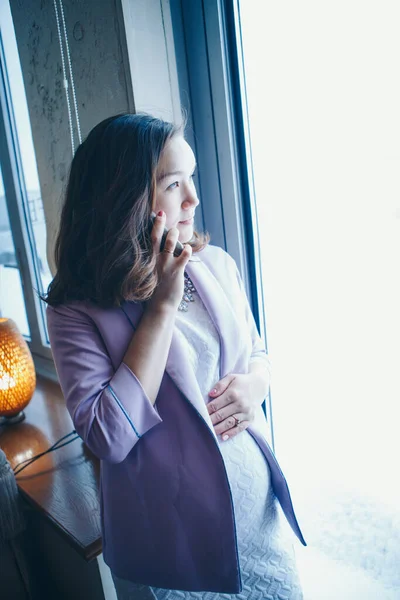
{"points": [[187, 222]]}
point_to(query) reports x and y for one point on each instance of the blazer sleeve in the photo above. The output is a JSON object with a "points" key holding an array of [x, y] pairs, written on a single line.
{"points": [[109, 408]]}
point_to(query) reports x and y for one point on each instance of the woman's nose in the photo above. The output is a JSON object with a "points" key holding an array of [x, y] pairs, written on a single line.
{"points": [[191, 198]]}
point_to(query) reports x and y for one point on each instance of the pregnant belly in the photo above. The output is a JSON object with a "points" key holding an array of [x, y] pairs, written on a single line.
{"points": [[264, 541], [249, 477]]}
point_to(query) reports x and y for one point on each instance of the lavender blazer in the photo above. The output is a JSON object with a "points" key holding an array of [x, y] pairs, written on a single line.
{"points": [[166, 506]]}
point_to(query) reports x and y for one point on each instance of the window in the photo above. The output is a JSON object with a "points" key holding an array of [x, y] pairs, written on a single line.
{"points": [[11, 294], [24, 270], [324, 123]]}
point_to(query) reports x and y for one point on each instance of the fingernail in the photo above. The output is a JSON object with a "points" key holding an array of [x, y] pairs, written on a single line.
{"points": [[225, 437], [214, 391], [160, 213]]}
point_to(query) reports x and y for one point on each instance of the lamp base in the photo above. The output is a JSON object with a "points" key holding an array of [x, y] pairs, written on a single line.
{"points": [[13, 420]]}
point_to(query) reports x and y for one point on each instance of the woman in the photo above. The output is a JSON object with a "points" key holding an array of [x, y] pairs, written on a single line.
{"points": [[164, 374]]}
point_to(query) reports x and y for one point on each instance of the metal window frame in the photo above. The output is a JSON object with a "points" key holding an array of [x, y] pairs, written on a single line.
{"points": [[208, 97], [21, 226]]}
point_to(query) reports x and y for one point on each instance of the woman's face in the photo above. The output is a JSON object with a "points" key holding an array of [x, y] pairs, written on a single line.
{"points": [[175, 191]]}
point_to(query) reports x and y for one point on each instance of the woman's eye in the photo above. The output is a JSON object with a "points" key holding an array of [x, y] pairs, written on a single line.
{"points": [[173, 185]]}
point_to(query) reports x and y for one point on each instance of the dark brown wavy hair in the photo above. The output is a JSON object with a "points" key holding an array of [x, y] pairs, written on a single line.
{"points": [[103, 251]]}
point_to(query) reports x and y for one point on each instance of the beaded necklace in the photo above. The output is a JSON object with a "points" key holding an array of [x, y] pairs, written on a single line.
{"points": [[188, 292]]}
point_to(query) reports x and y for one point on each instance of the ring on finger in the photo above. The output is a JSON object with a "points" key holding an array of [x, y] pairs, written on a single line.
{"points": [[237, 421]]}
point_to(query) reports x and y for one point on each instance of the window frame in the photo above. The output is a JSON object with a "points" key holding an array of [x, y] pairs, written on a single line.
{"points": [[20, 224]]}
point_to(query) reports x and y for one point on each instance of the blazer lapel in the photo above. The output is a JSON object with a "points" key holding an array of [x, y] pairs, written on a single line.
{"points": [[219, 308], [177, 366]]}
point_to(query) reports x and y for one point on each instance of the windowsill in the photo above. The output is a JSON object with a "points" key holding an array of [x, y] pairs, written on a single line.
{"points": [[45, 367], [62, 485]]}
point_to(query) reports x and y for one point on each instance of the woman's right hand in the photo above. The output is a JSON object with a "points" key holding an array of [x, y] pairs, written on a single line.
{"points": [[170, 268], [148, 350]]}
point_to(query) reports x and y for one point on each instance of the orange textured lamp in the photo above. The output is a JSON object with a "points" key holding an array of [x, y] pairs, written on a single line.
{"points": [[17, 373]]}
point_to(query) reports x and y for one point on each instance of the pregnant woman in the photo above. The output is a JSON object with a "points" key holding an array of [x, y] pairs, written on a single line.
{"points": [[164, 375]]}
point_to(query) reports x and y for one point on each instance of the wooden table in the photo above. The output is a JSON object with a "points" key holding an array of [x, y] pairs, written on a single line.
{"points": [[61, 492]]}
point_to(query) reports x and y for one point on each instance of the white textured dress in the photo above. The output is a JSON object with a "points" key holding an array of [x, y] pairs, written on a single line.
{"points": [[265, 550]]}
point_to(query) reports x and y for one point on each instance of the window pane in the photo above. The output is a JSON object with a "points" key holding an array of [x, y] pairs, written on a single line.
{"points": [[30, 178], [12, 303], [325, 129]]}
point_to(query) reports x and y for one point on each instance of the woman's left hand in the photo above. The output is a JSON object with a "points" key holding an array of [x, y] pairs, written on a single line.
{"points": [[235, 396]]}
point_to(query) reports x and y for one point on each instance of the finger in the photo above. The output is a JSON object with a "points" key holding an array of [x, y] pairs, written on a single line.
{"points": [[215, 407], [229, 423], [243, 425], [170, 241], [157, 230], [222, 413], [185, 256], [221, 386]]}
